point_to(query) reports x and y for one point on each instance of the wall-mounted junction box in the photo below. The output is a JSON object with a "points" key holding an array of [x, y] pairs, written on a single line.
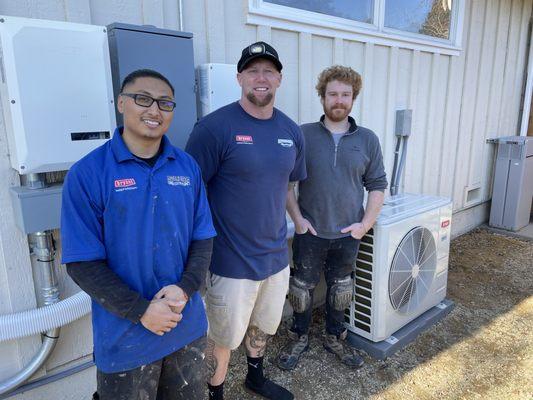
{"points": [[56, 91]]}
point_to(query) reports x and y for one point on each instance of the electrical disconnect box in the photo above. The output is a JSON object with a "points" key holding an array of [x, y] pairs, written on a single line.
{"points": [[56, 92], [218, 86], [513, 183], [168, 52]]}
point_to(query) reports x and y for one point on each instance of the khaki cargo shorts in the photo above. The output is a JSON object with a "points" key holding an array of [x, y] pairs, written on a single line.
{"points": [[234, 304]]}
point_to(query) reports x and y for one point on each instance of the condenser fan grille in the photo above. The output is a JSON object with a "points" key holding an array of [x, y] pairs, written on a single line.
{"points": [[413, 270]]}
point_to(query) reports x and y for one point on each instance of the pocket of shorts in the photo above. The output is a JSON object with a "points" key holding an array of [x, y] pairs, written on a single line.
{"points": [[217, 314]]}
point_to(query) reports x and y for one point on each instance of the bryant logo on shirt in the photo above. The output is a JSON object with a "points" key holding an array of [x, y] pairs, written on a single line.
{"points": [[125, 184], [244, 139], [179, 180]]}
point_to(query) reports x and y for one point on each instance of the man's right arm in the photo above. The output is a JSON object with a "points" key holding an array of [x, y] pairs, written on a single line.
{"points": [[105, 287], [301, 225]]}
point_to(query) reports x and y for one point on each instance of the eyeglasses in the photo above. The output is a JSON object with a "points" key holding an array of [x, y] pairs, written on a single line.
{"points": [[147, 101]]}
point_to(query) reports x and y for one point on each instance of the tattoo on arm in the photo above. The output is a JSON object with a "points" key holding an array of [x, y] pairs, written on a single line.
{"points": [[257, 340], [210, 359]]}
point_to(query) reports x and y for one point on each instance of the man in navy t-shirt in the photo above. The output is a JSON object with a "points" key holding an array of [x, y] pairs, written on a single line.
{"points": [[137, 237], [249, 153]]}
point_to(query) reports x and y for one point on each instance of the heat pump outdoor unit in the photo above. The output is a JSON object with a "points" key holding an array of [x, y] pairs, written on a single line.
{"points": [[402, 266]]}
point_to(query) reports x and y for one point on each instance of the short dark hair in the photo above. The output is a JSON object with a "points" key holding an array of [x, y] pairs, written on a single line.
{"points": [[144, 73]]}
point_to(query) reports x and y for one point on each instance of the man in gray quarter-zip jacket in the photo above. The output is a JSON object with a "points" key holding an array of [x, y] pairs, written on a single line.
{"points": [[342, 160]]}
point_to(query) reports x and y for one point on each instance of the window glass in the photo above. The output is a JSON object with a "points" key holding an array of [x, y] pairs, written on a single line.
{"points": [[427, 17], [357, 10]]}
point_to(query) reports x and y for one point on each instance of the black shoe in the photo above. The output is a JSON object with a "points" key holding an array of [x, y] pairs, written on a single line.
{"points": [[290, 354], [268, 390], [346, 354]]}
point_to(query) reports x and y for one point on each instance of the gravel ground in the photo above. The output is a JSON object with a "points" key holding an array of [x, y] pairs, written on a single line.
{"points": [[482, 350]]}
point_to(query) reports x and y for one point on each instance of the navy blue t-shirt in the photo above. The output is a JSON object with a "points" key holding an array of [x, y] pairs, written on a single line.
{"points": [[141, 220], [247, 164]]}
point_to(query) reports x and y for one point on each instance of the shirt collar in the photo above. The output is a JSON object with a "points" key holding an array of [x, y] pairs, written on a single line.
{"points": [[353, 125], [122, 153]]}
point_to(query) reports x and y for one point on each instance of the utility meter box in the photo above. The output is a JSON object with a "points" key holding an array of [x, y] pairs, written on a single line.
{"points": [[56, 91], [218, 86]]}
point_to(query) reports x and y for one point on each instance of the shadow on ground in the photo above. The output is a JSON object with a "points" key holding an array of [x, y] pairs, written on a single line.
{"points": [[482, 349]]}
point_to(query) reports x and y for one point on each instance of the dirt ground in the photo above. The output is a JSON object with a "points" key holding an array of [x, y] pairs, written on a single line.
{"points": [[482, 350]]}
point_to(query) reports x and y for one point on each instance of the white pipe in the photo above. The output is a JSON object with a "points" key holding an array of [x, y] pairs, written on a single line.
{"points": [[32, 322]]}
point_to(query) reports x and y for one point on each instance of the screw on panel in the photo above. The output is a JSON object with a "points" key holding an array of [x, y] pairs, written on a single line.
{"points": [[105, 30], [22, 167], [12, 101], [2, 20]]}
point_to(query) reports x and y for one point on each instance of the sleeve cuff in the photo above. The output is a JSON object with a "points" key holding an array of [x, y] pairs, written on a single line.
{"points": [[137, 310], [188, 285]]}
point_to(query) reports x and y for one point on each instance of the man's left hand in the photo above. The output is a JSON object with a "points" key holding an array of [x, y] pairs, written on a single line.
{"points": [[173, 292], [357, 230]]}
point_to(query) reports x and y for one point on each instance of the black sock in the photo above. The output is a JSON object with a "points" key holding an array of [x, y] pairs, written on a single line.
{"points": [[216, 392], [255, 370]]}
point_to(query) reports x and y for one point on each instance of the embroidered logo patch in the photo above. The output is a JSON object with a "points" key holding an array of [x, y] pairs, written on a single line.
{"points": [[120, 183], [244, 139], [285, 142], [179, 180], [125, 184]]}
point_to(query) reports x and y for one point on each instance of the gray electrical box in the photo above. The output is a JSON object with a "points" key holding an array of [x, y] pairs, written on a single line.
{"points": [[404, 120], [168, 52], [513, 183], [37, 209]]}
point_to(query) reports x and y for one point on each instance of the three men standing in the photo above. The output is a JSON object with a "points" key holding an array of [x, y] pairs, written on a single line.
{"points": [[248, 151], [342, 160]]}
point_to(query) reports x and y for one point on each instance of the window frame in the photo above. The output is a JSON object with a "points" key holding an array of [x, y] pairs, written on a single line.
{"points": [[261, 12]]}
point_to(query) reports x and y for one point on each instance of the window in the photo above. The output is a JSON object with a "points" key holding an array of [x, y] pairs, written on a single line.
{"points": [[425, 17], [358, 10], [429, 25]]}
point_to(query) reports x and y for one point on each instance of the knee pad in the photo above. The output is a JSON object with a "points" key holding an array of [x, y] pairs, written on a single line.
{"points": [[299, 295], [340, 293]]}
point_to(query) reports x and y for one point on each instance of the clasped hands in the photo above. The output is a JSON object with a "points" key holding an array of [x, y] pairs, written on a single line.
{"points": [[164, 311]]}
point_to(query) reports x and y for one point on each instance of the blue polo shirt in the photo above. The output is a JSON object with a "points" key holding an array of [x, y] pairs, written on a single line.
{"points": [[141, 220], [247, 164]]}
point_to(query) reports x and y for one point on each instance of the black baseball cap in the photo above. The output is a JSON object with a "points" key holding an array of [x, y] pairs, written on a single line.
{"points": [[258, 50]]}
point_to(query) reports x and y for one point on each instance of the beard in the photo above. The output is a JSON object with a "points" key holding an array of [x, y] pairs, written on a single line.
{"points": [[334, 113], [259, 103]]}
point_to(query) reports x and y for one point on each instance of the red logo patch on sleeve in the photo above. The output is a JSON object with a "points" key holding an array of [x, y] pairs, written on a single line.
{"points": [[120, 183], [244, 139]]}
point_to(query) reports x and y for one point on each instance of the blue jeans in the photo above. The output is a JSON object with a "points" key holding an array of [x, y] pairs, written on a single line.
{"points": [[311, 256]]}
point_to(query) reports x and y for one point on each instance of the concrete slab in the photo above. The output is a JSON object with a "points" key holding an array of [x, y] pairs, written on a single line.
{"points": [[525, 233], [404, 336]]}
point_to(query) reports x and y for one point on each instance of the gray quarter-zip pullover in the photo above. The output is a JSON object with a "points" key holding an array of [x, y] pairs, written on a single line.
{"points": [[331, 197]]}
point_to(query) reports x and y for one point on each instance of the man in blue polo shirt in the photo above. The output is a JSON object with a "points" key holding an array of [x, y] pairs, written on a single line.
{"points": [[249, 152], [137, 237]]}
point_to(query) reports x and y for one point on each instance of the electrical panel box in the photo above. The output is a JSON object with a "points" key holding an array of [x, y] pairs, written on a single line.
{"points": [[56, 91], [168, 52], [513, 183], [218, 86]]}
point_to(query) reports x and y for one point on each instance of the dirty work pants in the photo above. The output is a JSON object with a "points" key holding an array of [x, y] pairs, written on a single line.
{"points": [[180, 375], [311, 256]]}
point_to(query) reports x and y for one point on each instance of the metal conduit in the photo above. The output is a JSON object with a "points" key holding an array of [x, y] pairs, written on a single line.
{"points": [[44, 251]]}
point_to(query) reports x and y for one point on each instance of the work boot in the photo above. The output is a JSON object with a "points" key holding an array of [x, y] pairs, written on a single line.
{"points": [[346, 354], [290, 354]]}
